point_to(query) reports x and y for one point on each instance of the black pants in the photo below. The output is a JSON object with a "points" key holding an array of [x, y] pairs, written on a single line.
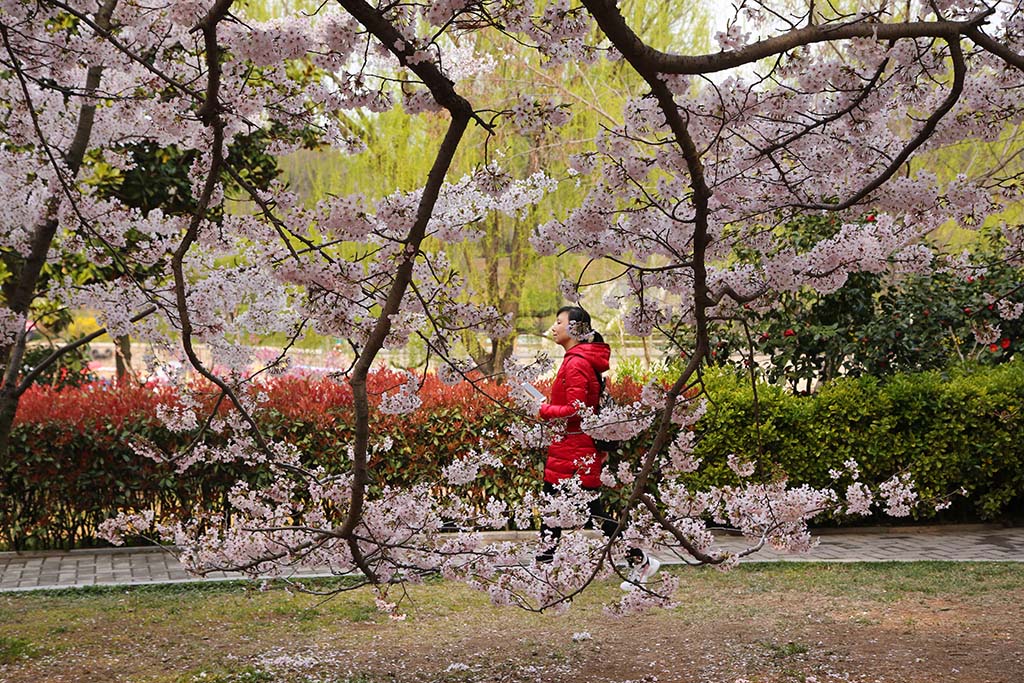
{"points": [[599, 517]]}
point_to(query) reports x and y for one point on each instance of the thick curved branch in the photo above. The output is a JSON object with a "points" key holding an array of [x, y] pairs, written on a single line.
{"points": [[210, 113], [608, 16], [628, 43], [444, 93], [986, 42], [441, 87]]}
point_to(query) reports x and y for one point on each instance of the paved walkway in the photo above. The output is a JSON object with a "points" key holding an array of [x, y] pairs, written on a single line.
{"points": [[129, 566]]}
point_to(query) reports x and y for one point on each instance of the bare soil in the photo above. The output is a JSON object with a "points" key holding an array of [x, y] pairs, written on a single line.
{"points": [[908, 623]]}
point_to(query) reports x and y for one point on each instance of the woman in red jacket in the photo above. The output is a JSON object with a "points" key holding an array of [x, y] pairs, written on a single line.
{"points": [[573, 453]]}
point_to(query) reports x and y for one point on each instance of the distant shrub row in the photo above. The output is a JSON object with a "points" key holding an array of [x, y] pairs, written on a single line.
{"points": [[71, 464]]}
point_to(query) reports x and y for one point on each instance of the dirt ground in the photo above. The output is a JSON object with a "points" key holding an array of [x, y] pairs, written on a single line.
{"points": [[812, 624]]}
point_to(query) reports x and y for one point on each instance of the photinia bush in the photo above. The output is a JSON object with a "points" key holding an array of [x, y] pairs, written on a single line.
{"points": [[72, 463]]}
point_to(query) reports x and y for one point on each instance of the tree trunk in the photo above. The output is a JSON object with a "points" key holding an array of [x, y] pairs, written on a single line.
{"points": [[24, 280], [123, 358]]}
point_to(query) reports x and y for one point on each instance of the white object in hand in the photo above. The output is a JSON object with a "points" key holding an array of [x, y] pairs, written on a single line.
{"points": [[533, 392]]}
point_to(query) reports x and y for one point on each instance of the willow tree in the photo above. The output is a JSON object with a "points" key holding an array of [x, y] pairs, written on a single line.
{"points": [[501, 269]]}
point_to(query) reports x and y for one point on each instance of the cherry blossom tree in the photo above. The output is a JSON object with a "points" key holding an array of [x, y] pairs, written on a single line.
{"points": [[801, 109]]}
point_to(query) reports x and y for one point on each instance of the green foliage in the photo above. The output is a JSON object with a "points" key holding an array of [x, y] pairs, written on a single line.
{"points": [[787, 650], [70, 370], [14, 649], [877, 326], [634, 370], [950, 432]]}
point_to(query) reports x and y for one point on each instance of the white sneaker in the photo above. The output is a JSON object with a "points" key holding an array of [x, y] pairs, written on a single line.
{"points": [[641, 573]]}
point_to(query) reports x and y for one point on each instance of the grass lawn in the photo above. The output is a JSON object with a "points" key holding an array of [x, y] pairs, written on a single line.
{"points": [[808, 623]]}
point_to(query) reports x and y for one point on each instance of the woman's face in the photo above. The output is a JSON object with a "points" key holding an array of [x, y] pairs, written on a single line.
{"points": [[560, 330]]}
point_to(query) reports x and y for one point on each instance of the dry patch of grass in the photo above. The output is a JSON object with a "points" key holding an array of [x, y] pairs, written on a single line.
{"points": [[805, 623]]}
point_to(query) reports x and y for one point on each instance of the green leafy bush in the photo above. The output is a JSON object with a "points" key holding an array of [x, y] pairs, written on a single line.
{"points": [[883, 325], [950, 432]]}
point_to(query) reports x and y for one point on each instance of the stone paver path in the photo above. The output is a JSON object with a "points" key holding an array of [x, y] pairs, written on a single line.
{"points": [[126, 566]]}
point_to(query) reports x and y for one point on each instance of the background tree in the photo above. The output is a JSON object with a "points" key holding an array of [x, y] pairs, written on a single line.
{"points": [[502, 270]]}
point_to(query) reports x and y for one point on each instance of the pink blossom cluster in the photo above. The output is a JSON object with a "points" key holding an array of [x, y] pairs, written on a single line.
{"points": [[404, 400], [616, 422], [530, 435], [898, 494], [680, 454], [539, 365], [11, 324], [742, 468], [465, 469]]}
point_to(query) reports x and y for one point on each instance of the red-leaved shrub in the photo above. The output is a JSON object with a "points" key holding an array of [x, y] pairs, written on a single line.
{"points": [[72, 464]]}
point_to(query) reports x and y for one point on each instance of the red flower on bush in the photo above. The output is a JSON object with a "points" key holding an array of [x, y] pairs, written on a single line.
{"points": [[789, 333]]}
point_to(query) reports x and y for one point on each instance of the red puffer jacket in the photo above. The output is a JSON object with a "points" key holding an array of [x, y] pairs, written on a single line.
{"points": [[574, 453]]}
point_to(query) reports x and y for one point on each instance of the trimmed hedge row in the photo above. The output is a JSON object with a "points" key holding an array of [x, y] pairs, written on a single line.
{"points": [[71, 464], [963, 430]]}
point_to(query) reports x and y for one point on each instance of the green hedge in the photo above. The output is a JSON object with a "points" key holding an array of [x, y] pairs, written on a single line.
{"points": [[949, 431]]}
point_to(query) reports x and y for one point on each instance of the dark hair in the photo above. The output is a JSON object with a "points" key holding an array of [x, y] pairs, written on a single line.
{"points": [[579, 315]]}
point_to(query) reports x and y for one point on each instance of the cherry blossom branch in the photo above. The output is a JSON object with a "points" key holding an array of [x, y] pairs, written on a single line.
{"points": [[312, 544], [992, 45], [105, 31], [727, 290], [402, 279], [618, 32], [930, 124], [662, 519], [268, 212], [835, 116], [439, 85], [663, 62]]}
